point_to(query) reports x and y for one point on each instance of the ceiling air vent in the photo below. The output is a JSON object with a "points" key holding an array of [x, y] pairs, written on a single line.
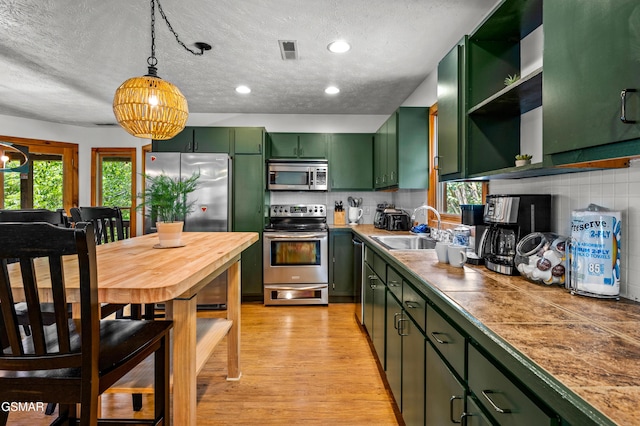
{"points": [[288, 49]]}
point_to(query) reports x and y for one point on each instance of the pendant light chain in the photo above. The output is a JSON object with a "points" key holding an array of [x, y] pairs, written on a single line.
{"points": [[171, 29], [151, 60]]}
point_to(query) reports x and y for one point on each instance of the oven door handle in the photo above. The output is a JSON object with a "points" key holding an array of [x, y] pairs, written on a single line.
{"points": [[294, 236], [312, 287]]}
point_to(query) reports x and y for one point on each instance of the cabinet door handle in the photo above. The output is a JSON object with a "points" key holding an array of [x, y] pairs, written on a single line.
{"points": [[411, 305], [623, 104], [394, 283], [436, 163], [463, 418], [486, 393], [395, 319], [195, 146], [435, 335], [401, 328], [453, 398]]}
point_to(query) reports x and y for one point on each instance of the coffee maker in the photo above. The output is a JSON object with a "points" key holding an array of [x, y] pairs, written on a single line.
{"points": [[509, 218]]}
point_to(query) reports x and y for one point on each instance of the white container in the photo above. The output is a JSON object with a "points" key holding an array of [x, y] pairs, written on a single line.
{"points": [[594, 262]]}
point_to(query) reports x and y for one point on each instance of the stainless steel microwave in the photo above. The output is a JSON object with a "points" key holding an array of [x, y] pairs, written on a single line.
{"points": [[297, 175]]}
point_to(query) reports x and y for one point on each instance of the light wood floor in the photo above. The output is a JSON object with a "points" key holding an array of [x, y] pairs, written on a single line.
{"points": [[301, 365]]}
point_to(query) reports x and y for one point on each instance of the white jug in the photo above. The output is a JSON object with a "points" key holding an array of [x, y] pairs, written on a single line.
{"points": [[355, 214]]}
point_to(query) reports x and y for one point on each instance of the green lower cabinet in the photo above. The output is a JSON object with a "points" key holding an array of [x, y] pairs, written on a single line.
{"points": [[368, 289], [341, 286], [374, 312], [473, 415], [413, 374], [445, 395], [395, 318], [508, 404], [248, 216]]}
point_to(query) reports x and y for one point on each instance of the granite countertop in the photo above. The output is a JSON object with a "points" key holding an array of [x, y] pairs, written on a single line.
{"points": [[590, 346]]}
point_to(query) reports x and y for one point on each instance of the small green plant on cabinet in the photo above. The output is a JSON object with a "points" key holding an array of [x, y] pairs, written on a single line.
{"points": [[511, 79], [167, 196], [523, 157]]}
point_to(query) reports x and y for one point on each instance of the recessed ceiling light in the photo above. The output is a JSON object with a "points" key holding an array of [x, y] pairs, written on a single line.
{"points": [[339, 46], [331, 90], [243, 89]]}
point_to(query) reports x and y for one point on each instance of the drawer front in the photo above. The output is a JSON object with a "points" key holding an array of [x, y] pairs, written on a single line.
{"points": [[446, 339], [368, 256], [500, 396], [394, 283], [380, 267], [414, 304]]}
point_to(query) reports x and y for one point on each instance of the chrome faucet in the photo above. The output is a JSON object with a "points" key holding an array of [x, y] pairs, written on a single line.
{"points": [[428, 207]]}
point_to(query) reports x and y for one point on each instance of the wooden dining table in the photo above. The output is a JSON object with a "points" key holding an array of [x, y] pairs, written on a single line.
{"points": [[135, 270]]}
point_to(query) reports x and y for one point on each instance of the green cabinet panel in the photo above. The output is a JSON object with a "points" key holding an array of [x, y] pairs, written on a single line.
{"points": [[212, 139], [298, 145], [182, 142], [446, 339], [312, 145], [507, 402], [351, 161], [283, 145], [413, 373], [248, 216], [371, 281], [587, 65], [445, 395], [451, 113], [341, 285], [394, 324], [473, 415], [401, 150], [248, 140], [392, 149]]}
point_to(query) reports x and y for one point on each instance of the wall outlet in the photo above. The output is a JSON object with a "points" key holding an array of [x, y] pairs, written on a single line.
{"points": [[366, 210]]}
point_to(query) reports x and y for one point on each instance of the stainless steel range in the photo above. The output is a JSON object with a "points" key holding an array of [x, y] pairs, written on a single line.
{"points": [[296, 255]]}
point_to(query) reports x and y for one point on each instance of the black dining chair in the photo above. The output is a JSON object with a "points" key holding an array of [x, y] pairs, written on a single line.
{"points": [[109, 226], [75, 360]]}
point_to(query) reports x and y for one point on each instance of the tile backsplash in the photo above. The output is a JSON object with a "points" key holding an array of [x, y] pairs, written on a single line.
{"points": [[613, 189], [403, 199]]}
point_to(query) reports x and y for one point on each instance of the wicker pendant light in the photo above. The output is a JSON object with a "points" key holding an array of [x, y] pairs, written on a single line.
{"points": [[148, 106]]}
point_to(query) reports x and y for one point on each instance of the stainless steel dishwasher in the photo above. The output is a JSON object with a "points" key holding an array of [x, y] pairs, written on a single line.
{"points": [[358, 274]]}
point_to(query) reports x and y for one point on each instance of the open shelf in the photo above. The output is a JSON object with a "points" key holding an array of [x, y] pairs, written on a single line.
{"points": [[209, 332], [515, 99]]}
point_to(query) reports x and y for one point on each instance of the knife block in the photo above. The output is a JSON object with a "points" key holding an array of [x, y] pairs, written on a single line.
{"points": [[339, 218]]}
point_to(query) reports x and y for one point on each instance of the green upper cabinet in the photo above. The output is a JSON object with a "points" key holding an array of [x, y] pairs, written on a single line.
{"points": [[588, 63], [248, 140], [182, 142], [223, 140], [351, 161], [212, 139], [298, 145], [451, 113], [494, 52], [401, 150]]}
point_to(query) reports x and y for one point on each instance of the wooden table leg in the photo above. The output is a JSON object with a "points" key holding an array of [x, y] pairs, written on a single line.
{"points": [[184, 312], [233, 314]]}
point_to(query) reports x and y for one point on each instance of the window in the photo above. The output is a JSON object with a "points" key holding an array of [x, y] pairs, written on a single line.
{"points": [[113, 181], [448, 196], [50, 183]]}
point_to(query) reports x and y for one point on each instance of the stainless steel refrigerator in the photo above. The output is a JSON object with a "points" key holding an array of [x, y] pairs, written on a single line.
{"points": [[212, 204]]}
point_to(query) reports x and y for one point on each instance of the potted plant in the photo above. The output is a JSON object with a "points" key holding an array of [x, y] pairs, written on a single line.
{"points": [[523, 160], [166, 198]]}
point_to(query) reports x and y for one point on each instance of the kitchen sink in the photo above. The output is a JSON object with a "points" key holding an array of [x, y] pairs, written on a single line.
{"points": [[405, 242]]}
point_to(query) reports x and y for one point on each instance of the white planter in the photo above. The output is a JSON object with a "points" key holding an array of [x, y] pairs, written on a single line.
{"points": [[520, 163], [169, 233]]}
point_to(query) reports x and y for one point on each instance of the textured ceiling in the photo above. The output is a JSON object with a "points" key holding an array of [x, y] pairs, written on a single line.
{"points": [[61, 60]]}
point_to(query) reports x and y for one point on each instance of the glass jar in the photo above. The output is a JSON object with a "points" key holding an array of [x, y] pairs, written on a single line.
{"points": [[540, 257]]}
